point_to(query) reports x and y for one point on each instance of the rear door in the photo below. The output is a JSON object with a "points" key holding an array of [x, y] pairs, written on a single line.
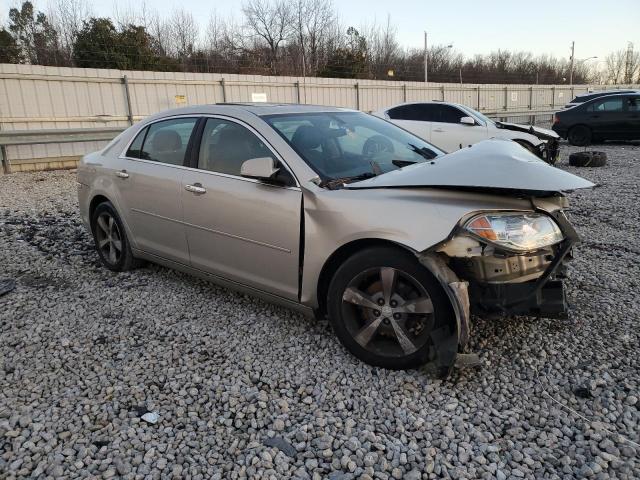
{"points": [[239, 228], [607, 118], [150, 185], [449, 134], [414, 117]]}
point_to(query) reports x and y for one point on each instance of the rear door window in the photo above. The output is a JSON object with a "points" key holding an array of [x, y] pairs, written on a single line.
{"points": [[167, 141], [609, 105]]}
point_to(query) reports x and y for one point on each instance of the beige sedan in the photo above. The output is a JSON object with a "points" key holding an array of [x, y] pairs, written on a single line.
{"points": [[338, 213]]}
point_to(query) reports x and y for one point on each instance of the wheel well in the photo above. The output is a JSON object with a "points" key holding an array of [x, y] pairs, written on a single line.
{"points": [[338, 257], [578, 125], [95, 201], [523, 142]]}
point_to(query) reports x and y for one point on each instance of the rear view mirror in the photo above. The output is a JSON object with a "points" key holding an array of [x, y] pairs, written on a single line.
{"points": [[467, 121], [261, 168]]}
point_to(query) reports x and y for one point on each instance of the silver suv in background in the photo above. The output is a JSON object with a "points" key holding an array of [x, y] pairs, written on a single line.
{"points": [[336, 212]]}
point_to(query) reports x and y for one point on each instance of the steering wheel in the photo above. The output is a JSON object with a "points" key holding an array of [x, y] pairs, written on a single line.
{"points": [[375, 145]]}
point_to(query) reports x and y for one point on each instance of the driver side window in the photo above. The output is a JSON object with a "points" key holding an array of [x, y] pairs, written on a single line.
{"points": [[225, 146]]}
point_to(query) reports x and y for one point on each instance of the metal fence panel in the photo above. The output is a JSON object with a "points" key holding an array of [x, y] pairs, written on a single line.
{"points": [[34, 97]]}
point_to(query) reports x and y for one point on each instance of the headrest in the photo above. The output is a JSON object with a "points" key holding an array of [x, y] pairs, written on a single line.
{"points": [[306, 137], [166, 140]]}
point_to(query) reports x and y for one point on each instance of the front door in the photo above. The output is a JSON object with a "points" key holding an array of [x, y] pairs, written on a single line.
{"points": [[239, 228], [150, 185], [608, 118], [449, 134]]}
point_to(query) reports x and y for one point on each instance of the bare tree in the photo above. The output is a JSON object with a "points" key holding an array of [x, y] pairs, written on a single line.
{"points": [[313, 20], [184, 32], [160, 30], [67, 17], [271, 22], [615, 63]]}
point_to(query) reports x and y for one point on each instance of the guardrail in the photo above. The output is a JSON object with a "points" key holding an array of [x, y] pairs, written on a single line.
{"points": [[72, 135]]}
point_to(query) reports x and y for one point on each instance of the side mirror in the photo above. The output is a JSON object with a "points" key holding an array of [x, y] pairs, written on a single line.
{"points": [[261, 168], [467, 121]]}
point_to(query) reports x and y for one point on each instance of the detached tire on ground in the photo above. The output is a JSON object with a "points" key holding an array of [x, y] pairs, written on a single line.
{"points": [[588, 159], [384, 307]]}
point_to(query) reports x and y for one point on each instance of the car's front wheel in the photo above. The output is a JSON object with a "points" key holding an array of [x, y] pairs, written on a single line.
{"points": [[111, 239], [384, 306]]}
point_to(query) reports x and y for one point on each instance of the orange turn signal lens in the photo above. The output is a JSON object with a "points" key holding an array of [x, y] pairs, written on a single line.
{"points": [[482, 227]]}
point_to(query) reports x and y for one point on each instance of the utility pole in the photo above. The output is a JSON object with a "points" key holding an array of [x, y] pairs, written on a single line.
{"points": [[426, 73], [573, 44]]}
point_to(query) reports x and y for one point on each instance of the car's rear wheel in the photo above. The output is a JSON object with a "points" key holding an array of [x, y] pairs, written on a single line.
{"points": [[384, 306], [111, 239], [580, 135]]}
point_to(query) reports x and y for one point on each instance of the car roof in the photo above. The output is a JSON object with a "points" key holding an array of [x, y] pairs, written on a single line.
{"points": [[256, 108], [627, 94], [607, 92]]}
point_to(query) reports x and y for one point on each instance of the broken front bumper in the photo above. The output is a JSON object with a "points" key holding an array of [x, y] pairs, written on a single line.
{"points": [[536, 291], [549, 151], [541, 296]]}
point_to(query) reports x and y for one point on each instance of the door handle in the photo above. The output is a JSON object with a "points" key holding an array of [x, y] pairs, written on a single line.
{"points": [[195, 188], [122, 174], [439, 130]]}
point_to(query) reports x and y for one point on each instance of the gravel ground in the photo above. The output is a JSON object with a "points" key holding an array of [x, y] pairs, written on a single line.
{"points": [[245, 389]]}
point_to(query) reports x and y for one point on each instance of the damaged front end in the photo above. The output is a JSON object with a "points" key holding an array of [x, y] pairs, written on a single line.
{"points": [[483, 274], [548, 150]]}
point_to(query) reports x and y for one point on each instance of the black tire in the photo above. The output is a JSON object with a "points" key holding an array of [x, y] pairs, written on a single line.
{"points": [[108, 232], [588, 159], [580, 135], [414, 291]]}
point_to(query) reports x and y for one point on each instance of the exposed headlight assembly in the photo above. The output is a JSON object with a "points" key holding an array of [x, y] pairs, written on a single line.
{"points": [[516, 231]]}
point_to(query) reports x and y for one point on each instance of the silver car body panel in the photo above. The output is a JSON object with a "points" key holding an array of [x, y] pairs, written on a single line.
{"points": [[489, 165]]}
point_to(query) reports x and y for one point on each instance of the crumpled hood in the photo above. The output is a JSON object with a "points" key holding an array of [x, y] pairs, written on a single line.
{"points": [[542, 133], [499, 166]]}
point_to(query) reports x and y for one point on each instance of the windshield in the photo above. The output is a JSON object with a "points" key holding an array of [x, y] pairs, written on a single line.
{"points": [[350, 146], [477, 115]]}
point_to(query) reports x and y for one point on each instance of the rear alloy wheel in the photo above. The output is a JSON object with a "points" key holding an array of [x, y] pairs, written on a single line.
{"points": [[111, 240], [384, 305], [579, 136]]}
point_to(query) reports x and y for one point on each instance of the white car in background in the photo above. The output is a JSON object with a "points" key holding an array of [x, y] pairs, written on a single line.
{"points": [[451, 126]]}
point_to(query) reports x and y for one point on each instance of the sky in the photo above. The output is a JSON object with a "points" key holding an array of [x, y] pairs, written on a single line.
{"points": [[539, 26]]}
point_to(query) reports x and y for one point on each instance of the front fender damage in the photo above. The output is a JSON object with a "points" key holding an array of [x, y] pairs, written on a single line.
{"points": [[447, 339]]}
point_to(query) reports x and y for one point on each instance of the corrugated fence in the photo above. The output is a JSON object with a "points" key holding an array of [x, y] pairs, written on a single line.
{"points": [[34, 97]]}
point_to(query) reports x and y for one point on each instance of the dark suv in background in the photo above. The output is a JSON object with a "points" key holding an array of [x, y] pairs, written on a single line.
{"points": [[613, 117]]}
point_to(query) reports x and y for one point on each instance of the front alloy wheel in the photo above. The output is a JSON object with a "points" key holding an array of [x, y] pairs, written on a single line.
{"points": [[384, 307]]}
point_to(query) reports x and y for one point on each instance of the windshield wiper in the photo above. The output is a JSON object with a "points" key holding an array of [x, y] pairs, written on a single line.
{"points": [[403, 163], [334, 183], [423, 152]]}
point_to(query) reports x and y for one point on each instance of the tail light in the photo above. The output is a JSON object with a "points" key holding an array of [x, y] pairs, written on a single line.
{"points": [[555, 119]]}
